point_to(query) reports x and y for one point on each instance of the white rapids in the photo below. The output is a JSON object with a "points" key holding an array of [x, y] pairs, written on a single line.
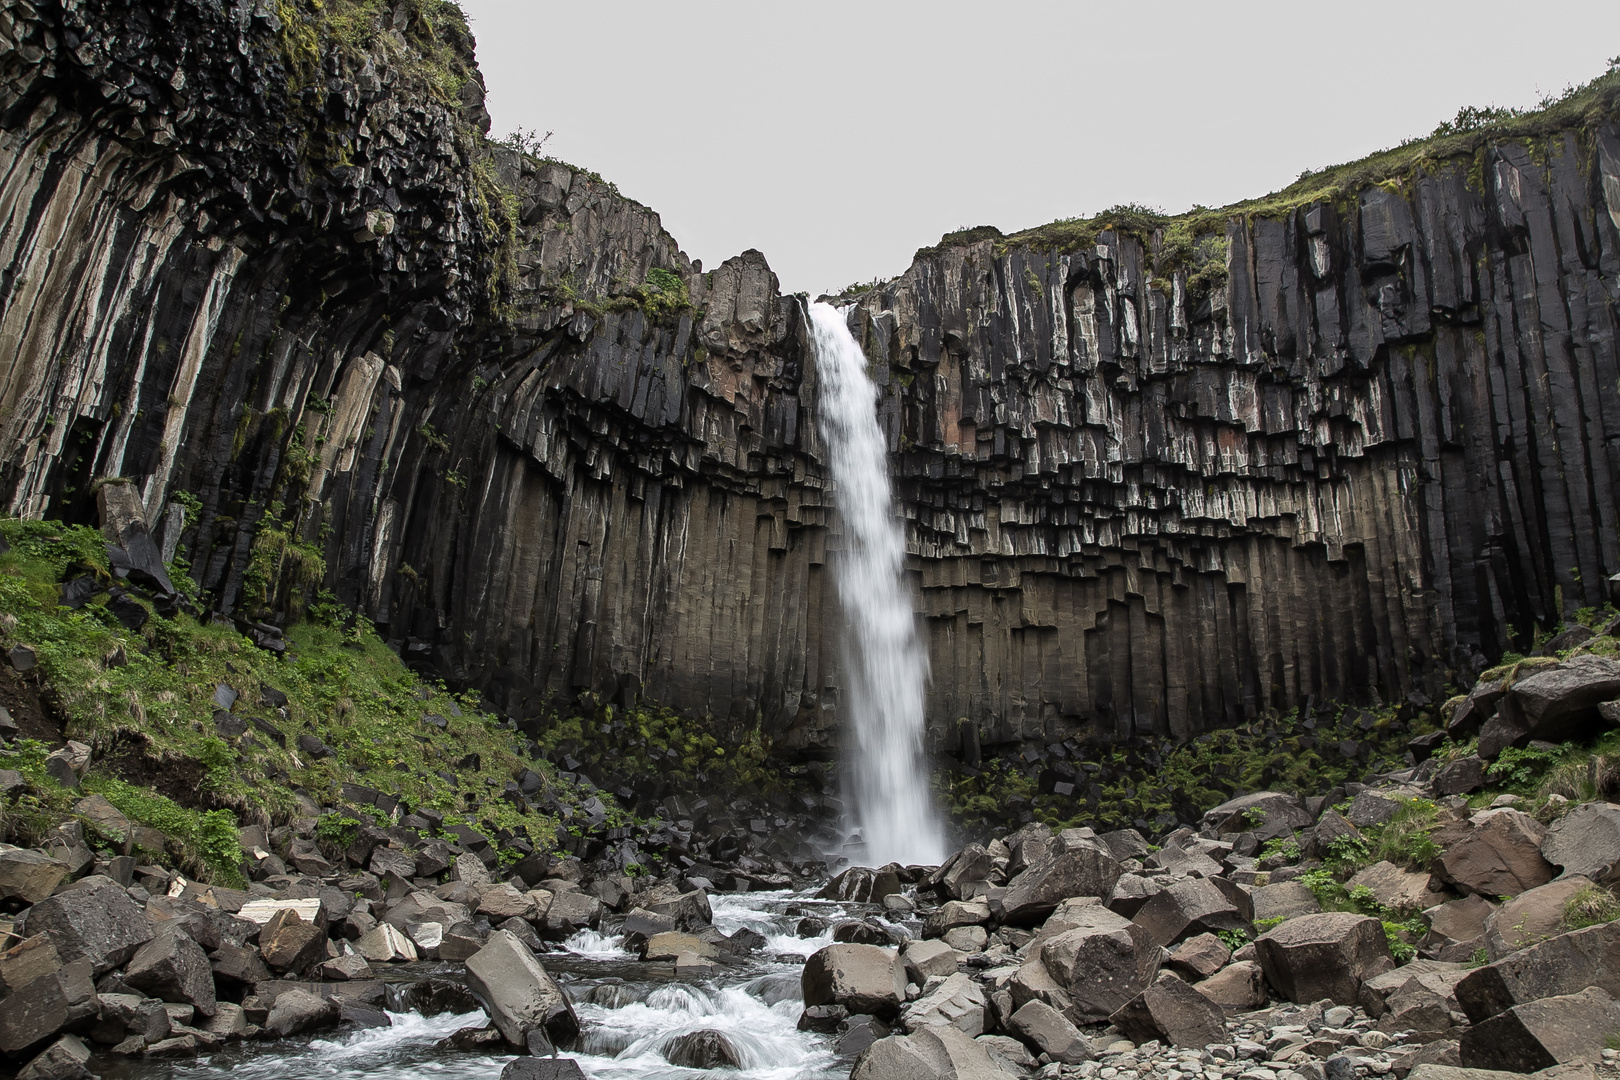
{"points": [[885, 664], [630, 1013]]}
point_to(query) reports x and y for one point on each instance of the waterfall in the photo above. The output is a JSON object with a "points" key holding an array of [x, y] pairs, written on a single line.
{"points": [[885, 665]]}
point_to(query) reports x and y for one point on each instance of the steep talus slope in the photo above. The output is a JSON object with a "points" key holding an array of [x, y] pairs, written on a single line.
{"points": [[1159, 474]]}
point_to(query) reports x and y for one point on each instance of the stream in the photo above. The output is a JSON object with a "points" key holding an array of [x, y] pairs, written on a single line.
{"points": [[628, 1011]]}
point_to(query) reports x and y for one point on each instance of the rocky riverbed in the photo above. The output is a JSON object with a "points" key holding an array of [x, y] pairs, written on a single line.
{"points": [[1417, 923]]}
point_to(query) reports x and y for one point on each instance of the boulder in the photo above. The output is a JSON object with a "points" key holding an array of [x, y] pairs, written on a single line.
{"points": [[1172, 1012], [1074, 867], [143, 1017], [1133, 891], [1049, 1032], [294, 1011], [1200, 957], [1586, 841], [926, 958], [1125, 844], [956, 1001], [261, 912], [1246, 813], [96, 920], [65, 1059], [533, 1068], [862, 978], [688, 911], [1541, 1034], [1370, 808], [1422, 1014], [1532, 916], [966, 939], [932, 1053], [1178, 861], [1327, 955], [1494, 853], [1460, 777], [518, 993], [1457, 926], [1561, 702], [384, 944], [1101, 962], [958, 877], [29, 876], [861, 885], [240, 966], [1238, 987], [571, 912], [26, 961], [45, 1005], [501, 902], [1283, 900], [1436, 976], [174, 968], [290, 944], [1186, 909], [954, 913], [1560, 965], [1401, 891], [706, 1049], [347, 968], [672, 945]]}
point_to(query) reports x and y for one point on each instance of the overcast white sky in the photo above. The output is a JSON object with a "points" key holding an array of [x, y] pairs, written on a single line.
{"points": [[841, 136]]}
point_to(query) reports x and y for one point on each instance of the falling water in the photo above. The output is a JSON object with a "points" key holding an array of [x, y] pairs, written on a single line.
{"points": [[884, 662]]}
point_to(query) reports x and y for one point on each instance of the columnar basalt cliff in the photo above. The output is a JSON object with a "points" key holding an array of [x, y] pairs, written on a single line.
{"points": [[1158, 474]]}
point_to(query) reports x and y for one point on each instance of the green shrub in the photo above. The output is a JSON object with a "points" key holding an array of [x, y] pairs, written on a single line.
{"points": [[1590, 905]]}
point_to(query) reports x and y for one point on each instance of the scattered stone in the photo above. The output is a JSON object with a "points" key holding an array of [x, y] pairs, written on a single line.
{"points": [[65, 1059], [956, 1001], [1494, 853], [96, 920], [1238, 987], [1077, 867], [29, 876], [533, 1068], [1101, 962], [299, 1010], [1200, 957]]}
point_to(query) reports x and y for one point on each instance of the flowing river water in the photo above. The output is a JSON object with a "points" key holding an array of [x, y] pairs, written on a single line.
{"points": [[628, 1010]]}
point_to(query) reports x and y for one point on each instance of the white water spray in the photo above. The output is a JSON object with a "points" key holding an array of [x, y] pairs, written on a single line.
{"points": [[885, 665]]}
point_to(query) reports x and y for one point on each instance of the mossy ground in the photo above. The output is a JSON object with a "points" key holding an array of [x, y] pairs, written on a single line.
{"points": [[145, 702]]}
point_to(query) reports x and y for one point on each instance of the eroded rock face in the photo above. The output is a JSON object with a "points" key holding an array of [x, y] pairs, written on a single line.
{"points": [[1109, 468]]}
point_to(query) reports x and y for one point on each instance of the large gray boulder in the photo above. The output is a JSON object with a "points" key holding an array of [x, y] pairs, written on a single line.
{"points": [[1541, 1034], [1049, 1032], [173, 967], [1102, 961], [1267, 810], [863, 978], [1172, 1012], [517, 992], [1560, 702], [1586, 841], [29, 876], [1237, 987], [96, 920], [1074, 866], [55, 1000], [1532, 916], [933, 1053], [1328, 955], [299, 1010], [65, 1059], [1187, 909], [1494, 853], [1283, 900], [1560, 965], [957, 1001]]}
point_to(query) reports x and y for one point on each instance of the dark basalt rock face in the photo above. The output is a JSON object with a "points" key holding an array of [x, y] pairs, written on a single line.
{"points": [[291, 280]]}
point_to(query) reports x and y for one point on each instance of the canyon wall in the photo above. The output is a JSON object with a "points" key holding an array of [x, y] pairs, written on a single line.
{"points": [[264, 263]]}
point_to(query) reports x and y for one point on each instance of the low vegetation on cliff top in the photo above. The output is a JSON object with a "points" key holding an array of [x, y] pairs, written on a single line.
{"points": [[1196, 239]]}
